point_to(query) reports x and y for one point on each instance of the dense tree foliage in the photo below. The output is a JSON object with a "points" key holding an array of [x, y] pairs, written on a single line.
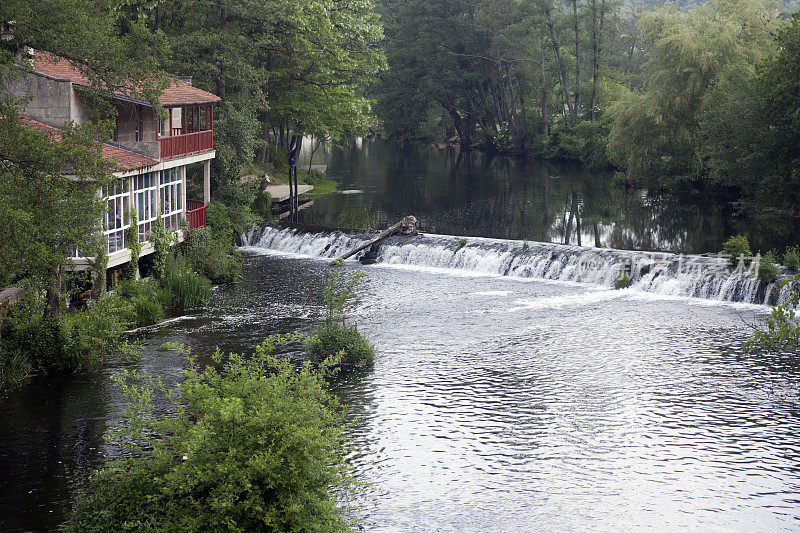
{"points": [[48, 182], [698, 62], [251, 444], [284, 69], [500, 73]]}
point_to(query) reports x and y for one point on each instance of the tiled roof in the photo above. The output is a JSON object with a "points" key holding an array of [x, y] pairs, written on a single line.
{"points": [[124, 160], [179, 93]]}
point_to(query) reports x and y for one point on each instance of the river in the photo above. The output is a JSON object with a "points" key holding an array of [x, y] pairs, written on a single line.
{"points": [[475, 194], [499, 401]]}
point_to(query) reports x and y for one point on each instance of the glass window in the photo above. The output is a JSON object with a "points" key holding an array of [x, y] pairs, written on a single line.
{"points": [[144, 194], [171, 192], [117, 217]]}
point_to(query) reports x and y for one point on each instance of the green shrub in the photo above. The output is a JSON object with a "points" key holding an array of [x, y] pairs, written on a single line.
{"points": [[188, 289], [15, 369], [250, 443], [767, 269], [130, 290], [333, 337], [214, 257], [791, 259], [95, 333], [525, 245], [231, 210], [148, 304], [461, 243], [623, 281], [162, 239], [78, 339], [735, 248], [262, 206], [782, 329], [40, 339], [148, 312]]}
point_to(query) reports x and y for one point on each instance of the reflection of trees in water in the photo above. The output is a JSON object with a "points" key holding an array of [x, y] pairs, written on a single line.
{"points": [[54, 437], [475, 194]]}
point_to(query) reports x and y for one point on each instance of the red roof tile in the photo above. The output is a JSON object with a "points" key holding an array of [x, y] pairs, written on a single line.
{"points": [[179, 93], [124, 160]]}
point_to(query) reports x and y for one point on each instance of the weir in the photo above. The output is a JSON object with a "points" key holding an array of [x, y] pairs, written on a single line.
{"points": [[659, 273]]}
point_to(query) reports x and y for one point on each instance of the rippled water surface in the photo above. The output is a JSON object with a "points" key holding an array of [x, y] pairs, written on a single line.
{"points": [[495, 404], [478, 195]]}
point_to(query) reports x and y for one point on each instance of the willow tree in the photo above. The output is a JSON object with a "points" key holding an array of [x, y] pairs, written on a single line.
{"points": [[657, 133]]}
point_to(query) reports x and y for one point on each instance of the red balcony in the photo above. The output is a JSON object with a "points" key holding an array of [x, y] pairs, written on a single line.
{"points": [[189, 143], [196, 214], [190, 130]]}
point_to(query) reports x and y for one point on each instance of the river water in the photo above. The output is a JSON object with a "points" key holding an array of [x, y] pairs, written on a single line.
{"points": [[475, 194], [497, 402]]}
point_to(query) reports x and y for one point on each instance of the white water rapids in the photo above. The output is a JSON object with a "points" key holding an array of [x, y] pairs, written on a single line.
{"points": [[659, 273]]}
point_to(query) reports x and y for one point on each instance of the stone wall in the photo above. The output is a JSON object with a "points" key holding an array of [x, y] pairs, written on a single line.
{"points": [[51, 100]]}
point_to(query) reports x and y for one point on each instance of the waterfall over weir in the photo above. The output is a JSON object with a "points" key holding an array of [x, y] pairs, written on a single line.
{"points": [[654, 272]]}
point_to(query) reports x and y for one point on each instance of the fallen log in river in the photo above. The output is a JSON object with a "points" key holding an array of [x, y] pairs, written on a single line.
{"points": [[407, 226]]}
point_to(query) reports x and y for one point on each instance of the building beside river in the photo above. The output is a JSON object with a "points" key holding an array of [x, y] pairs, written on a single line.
{"points": [[150, 154]]}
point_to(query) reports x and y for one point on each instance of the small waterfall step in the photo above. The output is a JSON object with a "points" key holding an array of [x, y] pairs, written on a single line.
{"points": [[664, 273]]}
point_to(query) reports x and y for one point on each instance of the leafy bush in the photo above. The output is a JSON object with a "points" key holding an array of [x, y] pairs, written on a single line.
{"points": [[623, 281], [147, 298], [333, 337], [735, 248], [232, 205], [782, 333], [461, 243], [40, 339], [791, 258], [94, 333], [214, 257], [148, 312], [257, 445], [262, 206], [130, 290], [188, 289], [162, 239], [767, 269], [77, 340]]}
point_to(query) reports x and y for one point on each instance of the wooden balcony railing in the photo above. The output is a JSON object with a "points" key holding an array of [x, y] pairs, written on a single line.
{"points": [[188, 143], [196, 214]]}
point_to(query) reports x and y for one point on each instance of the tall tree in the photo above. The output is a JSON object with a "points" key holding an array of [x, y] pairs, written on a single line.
{"points": [[49, 180], [656, 133]]}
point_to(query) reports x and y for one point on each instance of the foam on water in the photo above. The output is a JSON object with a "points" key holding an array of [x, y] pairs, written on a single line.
{"points": [[663, 274]]}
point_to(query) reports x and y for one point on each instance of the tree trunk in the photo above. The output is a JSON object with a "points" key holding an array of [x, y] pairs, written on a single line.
{"points": [[596, 235], [596, 51], [545, 215], [53, 307], [567, 225], [561, 67], [464, 135], [544, 126], [577, 57]]}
